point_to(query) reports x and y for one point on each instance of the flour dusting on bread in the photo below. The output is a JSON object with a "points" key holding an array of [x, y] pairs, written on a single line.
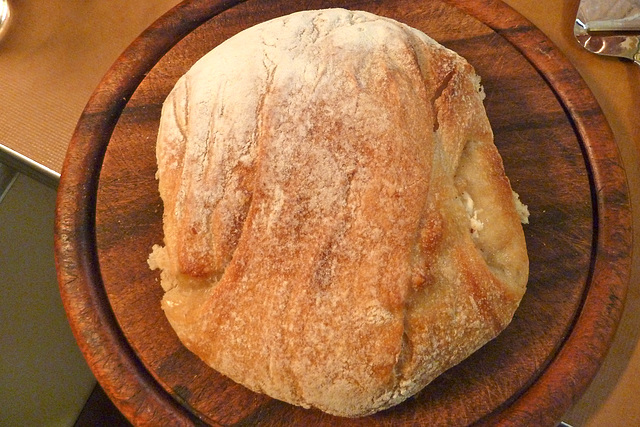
{"points": [[338, 226]]}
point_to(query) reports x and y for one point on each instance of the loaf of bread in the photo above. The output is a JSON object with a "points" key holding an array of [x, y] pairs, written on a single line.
{"points": [[338, 226]]}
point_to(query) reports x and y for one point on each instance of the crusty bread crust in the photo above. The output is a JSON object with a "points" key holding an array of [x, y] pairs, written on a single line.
{"points": [[339, 229]]}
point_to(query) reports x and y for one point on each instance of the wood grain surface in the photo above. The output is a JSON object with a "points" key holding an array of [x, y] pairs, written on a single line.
{"points": [[558, 152]]}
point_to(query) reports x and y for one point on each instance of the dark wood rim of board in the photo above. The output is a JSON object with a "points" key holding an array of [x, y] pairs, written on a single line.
{"points": [[143, 400]]}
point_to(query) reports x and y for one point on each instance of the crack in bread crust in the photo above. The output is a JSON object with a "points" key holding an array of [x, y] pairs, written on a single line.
{"points": [[317, 249]]}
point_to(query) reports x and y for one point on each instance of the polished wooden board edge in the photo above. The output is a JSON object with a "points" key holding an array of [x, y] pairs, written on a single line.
{"points": [[80, 188], [586, 346]]}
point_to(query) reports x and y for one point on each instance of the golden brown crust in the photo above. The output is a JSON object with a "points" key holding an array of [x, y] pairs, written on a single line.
{"points": [[338, 226]]}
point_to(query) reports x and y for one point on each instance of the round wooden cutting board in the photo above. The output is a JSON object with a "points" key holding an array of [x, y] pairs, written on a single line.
{"points": [[558, 152]]}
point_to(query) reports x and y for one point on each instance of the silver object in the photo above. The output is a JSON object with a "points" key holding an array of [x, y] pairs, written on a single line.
{"points": [[609, 27], [5, 17], [7, 178]]}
